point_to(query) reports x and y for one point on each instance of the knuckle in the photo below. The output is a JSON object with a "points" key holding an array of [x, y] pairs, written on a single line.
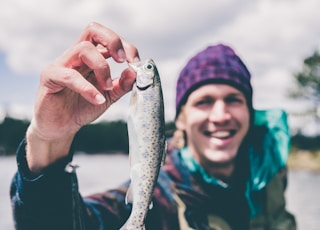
{"points": [[84, 45], [102, 64], [92, 26], [115, 39], [67, 77], [47, 72], [87, 89]]}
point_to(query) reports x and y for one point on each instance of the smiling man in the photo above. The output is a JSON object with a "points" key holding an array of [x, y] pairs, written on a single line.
{"points": [[231, 150]]}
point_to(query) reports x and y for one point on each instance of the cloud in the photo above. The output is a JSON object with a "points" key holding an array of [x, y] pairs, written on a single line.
{"points": [[274, 31], [162, 28], [272, 36]]}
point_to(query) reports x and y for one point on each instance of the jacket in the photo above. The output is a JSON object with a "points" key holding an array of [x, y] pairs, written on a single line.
{"points": [[183, 197]]}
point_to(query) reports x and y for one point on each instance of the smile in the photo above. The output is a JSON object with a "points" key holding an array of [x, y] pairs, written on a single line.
{"points": [[220, 134]]}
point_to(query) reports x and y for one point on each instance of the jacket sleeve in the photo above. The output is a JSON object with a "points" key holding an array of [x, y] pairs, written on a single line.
{"points": [[52, 200]]}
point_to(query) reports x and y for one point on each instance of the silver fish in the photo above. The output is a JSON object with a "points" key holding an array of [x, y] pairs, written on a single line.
{"points": [[147, 145]]}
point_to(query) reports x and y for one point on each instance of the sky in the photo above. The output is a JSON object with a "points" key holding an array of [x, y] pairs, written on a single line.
{"points": [[271, 36]]}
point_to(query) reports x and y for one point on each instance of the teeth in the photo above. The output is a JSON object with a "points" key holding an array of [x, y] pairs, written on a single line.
{"points": [[221, 134]]}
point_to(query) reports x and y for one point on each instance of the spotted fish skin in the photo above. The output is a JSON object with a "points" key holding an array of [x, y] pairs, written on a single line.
{"points": [[147, 145]]}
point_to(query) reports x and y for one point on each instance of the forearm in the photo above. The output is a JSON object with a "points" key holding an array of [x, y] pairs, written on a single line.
{"points": [[46, 201]]}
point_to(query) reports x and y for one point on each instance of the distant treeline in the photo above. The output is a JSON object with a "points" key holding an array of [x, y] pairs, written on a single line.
{"points": [[102, 137], [12, 131], [106, 137], [311, 143]]}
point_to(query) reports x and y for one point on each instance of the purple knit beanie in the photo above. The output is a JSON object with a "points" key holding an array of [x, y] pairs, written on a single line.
{"points": [[215, 64]]}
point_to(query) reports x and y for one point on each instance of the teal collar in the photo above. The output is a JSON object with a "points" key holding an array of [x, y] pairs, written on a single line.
{"points": [[195, 167]]}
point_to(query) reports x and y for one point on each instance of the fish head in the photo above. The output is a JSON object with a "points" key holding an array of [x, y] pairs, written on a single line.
{"points": [[146, 73]]}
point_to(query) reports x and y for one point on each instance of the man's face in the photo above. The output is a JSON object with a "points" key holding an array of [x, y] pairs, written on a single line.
{"points": [[216, 119]]}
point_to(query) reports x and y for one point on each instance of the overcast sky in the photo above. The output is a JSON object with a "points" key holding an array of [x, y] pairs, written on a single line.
{"points": [[271, 36]]}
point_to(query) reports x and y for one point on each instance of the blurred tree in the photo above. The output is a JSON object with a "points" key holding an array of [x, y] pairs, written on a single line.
{"points": [[170, 128], [302, 142], [12, 131], [307, 87], [102, 137]]}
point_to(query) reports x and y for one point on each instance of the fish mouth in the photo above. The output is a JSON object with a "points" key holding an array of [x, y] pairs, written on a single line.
{"points": [[143, 87], [221, 134]]}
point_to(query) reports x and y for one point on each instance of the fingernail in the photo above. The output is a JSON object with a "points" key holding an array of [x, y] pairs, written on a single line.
{"points": [[136, 59], [121, 55], [100, 99], [109, 84]]}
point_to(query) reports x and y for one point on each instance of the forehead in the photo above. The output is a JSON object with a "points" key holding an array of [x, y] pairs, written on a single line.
{"points": [[215, 90]]}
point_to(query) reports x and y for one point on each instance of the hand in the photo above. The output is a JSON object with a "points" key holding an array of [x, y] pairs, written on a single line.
{"points": [[75, 90]]}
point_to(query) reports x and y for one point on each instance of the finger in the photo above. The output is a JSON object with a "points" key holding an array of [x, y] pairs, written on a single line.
{"points": [[131, 51], [127, 79], [85, 57], [100, 35], [56, 79], [122, 85], [95, 61]]}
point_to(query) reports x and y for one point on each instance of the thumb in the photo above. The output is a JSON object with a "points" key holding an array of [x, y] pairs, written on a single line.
{"points": [[123, 85], [127, 79]]}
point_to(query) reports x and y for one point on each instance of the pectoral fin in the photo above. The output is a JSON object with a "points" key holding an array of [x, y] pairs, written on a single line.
{"points": [[164, 154], [150, 205], [134, 175], [129, 196]]}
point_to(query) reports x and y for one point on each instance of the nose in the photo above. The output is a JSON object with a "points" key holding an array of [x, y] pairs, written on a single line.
{"points": [[219, 112]]}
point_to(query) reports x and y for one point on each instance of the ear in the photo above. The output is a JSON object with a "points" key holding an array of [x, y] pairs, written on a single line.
{"points": [[181, 120]]}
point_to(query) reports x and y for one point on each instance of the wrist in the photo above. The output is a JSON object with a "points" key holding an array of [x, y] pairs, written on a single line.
{"points": [[42, 152]]}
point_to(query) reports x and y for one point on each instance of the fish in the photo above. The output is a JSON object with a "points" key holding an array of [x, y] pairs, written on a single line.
{"points": [[147, 142]]}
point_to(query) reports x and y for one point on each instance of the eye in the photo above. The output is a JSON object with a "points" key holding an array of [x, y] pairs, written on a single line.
{"points": [[149, 67], [235, 99], [204, 101]]}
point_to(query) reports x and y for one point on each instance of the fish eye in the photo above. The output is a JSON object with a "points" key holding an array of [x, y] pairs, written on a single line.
{"points": [[149, 67]]}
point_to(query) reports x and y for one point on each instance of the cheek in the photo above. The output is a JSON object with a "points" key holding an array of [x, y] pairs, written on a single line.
{"points": [[194, 120], [196, 115], [247, 118], [243, 117]]}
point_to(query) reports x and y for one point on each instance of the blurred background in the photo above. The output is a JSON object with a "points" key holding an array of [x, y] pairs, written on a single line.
{"points": [[277, 39]]}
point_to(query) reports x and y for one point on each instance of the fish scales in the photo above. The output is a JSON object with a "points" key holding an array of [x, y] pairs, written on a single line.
{"points": [[146, 129]]}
